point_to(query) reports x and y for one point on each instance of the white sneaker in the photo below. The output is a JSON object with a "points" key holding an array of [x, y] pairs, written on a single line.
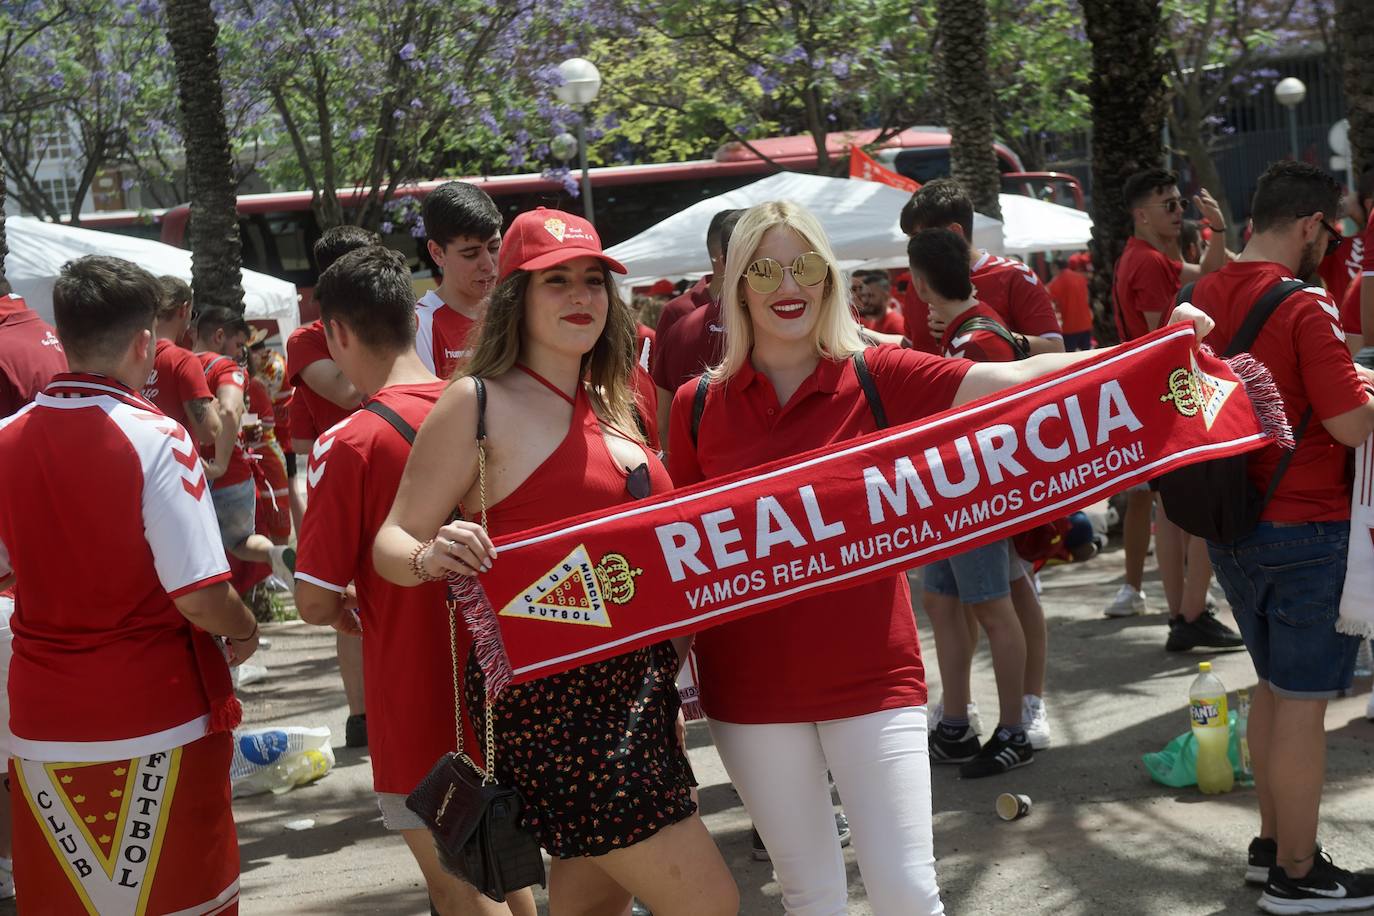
{"points": [[283, 563], [1127, 603], [1369, 710], [6, 879], [1035, 721], [937, 712]]}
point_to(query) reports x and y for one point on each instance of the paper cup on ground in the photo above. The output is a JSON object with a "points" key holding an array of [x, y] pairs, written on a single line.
{"points": [[1013, 807]]}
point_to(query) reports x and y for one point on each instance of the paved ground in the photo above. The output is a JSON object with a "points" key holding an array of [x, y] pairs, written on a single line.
{"points": [[1101, 839]]}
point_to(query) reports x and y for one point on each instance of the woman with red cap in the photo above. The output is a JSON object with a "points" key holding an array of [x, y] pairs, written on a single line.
{"points": [[594, 751]]}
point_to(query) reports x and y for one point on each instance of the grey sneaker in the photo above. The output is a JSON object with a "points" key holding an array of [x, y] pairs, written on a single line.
{"points": [[1127, 603]]}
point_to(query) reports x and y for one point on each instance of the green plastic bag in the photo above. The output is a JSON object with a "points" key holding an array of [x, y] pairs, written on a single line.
{"points": [[1176, 765]]}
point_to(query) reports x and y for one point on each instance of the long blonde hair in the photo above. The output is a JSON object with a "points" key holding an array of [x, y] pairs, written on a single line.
{"points": [[608, 366], [836, 334]]}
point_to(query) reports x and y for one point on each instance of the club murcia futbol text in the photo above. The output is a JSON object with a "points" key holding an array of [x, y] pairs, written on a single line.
{"points": [[918, 498]]}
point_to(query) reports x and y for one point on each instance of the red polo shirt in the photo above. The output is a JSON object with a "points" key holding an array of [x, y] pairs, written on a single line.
{"points": [[30, 354], [679, 307], [1146, 280], [177, 377], [305, 347], [1008, 286], [1069, 289], [802, 663], [689, 347], [1352, 321], [1303, 346], [889, 322], [1341, 269], [353, 474]]}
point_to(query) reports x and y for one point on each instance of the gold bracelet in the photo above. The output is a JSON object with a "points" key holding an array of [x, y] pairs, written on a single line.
{"points": [[417, 567]]}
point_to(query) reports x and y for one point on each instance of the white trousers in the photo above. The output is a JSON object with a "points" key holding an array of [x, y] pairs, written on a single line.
{"points": [[881, 766]]}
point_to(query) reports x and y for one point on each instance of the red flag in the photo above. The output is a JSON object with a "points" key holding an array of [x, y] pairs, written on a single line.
{"points": [[865, 168]]}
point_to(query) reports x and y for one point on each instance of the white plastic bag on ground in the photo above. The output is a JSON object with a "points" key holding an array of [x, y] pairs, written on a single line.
{"points": [[279, 759]]}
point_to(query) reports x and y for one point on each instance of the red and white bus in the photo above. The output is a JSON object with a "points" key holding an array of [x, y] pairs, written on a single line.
{"points": [[279, 229]]}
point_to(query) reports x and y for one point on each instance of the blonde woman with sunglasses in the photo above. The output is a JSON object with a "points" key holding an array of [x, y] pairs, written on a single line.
{"points": [[833, 682]]}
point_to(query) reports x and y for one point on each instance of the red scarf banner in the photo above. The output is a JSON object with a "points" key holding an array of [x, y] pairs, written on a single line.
{"points": [[585, 589]]}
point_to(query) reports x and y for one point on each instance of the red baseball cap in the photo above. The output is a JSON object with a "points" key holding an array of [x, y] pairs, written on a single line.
{"points": [[542, 238], [662, 287]]}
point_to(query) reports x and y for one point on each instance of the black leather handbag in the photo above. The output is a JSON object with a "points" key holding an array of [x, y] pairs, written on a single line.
{"points": [[475, 821]]}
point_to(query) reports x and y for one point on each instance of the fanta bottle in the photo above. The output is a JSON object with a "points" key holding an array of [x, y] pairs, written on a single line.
{"points": [[1207, 701]]}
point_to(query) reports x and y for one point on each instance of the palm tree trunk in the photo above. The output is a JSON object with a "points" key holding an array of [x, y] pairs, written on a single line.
{"points": [[1127, 92], [966, 92], [214, 233], [4, 243], [1355, 26]]}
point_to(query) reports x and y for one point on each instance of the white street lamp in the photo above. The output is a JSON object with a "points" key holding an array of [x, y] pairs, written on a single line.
{"points": [[564, 146], [581, 83], [1289, 93]]}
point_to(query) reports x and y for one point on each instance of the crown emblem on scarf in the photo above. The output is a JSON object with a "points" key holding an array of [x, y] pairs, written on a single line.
{"points": [[1184, 392], [555, 227], [617, 578]]}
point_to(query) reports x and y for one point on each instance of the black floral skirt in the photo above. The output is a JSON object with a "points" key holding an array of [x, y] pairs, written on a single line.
{"points": [[592, 751]]}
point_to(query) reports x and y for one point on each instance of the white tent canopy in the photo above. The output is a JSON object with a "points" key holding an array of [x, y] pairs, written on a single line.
{"points": [[860, 218], [38, 250]]}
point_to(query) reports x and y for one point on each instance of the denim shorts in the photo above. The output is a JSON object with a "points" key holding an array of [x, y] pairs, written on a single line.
{"points": [[235, 508], [1284, 583], [981, 574]]}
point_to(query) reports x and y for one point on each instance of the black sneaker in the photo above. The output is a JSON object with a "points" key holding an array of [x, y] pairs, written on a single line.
{"points": [[946, 749], [1264, 855], [1205, 632], [1325, 889], [355, 731], [1001, 753]]}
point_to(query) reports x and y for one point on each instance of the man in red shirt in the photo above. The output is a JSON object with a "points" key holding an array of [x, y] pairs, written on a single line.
{"points": [[117, 687], [1285, 578], [875, 305], [1340, 269], [689, 333], [366, 305], [30, 355], [220, 334], [177, 383], [464, 229], [981, 578], [1146, 281], [1069, 291], [324, 398], [1010, 287]]}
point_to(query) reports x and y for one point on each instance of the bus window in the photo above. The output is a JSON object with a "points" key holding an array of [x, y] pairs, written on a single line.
{"points": [[293, 236]]}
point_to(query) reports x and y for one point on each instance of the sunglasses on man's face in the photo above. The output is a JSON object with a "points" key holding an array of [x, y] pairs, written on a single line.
{"points": [[765, 274], [1334, 237], [1174, 205]]}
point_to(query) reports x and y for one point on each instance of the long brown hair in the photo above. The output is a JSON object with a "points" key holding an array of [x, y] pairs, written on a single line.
{"points": [[607, 367]]}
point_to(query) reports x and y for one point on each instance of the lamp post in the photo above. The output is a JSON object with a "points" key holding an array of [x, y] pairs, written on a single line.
{"points": [[1289, 93], [581, 83]]}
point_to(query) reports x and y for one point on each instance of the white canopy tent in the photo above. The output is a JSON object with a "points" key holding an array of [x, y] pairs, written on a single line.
{"points": [[860, 218], [38, 250]]}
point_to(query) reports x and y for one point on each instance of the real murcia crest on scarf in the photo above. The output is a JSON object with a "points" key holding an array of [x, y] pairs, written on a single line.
{"points": [[571, 592], [1193, 391]]}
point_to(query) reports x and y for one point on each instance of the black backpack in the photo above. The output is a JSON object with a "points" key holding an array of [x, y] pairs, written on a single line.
{"points": [[980, 323], [1214, 499]]}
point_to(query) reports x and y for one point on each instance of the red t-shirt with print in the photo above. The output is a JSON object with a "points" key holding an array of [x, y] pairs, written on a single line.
{"points": [[441, 335], [221, 371], [813, 667], [354, 472], [177, 377], [1303, 345], [30, 354], [1007, 286]]}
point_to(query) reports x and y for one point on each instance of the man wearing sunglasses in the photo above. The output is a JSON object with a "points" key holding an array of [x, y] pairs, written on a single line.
{"points": [[1285, 579], [1146, 280]]}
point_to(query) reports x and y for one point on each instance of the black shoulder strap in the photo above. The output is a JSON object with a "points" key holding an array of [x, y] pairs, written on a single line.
{"points": [[481, 389], [981, 323], [875, 402], [213, 363], [397, 422], [1284, 461], [1259, 313], [699, 404]]}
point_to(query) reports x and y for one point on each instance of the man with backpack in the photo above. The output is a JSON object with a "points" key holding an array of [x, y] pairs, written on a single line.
{"points": [[1284, 575], [366, 309]]}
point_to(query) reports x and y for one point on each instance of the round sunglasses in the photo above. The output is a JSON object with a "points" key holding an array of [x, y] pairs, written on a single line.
{"points": [[765, 274]]}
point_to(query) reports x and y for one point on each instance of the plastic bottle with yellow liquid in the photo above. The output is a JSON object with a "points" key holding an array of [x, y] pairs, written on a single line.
{"points": [[1207, 702]]}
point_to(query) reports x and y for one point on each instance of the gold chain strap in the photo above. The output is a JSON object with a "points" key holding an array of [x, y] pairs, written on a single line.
{"points": [[488, 773]]}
